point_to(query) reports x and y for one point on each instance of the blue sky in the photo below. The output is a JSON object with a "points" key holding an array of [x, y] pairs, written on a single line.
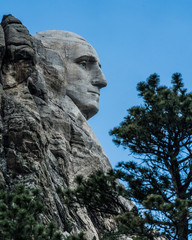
{"points": [[133, 38]]}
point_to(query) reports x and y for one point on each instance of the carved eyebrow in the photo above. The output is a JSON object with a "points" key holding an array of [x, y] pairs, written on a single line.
{"points": [[88, 59]]}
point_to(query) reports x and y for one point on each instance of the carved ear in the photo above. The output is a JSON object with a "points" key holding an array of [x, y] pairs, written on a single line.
{"points": [[19, 58]]}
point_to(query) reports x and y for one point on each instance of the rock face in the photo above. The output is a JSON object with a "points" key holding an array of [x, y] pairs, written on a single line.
{"points": [[50, 86]]}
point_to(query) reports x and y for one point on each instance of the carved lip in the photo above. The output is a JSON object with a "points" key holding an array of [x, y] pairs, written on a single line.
{"points": [[95, 92]]}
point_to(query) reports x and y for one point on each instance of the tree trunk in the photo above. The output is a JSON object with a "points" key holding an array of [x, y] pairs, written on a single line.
{"points": [[183, 229]]}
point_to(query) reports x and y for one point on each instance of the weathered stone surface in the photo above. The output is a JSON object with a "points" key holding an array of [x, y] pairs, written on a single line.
{"points": [[50, 87], [2, 44], [18, 40], [19, 57]]}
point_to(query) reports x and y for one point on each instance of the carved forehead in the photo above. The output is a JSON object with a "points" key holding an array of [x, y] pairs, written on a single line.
{"points": [[59, 36], [71, 43]]}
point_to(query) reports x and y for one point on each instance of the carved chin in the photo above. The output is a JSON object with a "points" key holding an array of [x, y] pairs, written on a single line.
{"points": [[90, 111], [88, 106]]}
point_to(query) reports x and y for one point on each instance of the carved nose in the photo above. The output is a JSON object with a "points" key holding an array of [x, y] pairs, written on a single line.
{"points": [[100, 80]]}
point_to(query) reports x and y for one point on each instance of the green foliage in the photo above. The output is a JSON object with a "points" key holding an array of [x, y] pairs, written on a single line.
{"points": [[134, 224], [112, 235], [78, 236], [160, 134], [98, 193], [20, 209]]}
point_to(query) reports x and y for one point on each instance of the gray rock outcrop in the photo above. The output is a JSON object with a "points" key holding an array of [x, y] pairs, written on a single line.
{"points": [[45, 140]]}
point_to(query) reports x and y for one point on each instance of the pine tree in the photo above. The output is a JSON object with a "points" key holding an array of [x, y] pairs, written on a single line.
{"points": [[159, 134], [101, 193], [78, 236], [98, 193], [20, 209]]}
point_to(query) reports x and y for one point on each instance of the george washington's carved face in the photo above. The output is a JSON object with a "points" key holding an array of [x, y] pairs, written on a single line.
{"points": [[83, 72]]}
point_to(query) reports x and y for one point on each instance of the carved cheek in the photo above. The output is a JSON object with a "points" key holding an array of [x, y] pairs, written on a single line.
{"points": [[75, 74]]}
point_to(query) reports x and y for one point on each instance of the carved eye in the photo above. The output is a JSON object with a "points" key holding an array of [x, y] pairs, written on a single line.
{"points": [[83, 64]]}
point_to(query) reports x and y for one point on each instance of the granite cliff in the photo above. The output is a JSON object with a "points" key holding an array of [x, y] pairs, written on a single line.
{"points": [[45, 140]]}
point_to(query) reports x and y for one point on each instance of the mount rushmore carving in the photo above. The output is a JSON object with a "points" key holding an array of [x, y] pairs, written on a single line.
{"points": [[50, 86]]}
